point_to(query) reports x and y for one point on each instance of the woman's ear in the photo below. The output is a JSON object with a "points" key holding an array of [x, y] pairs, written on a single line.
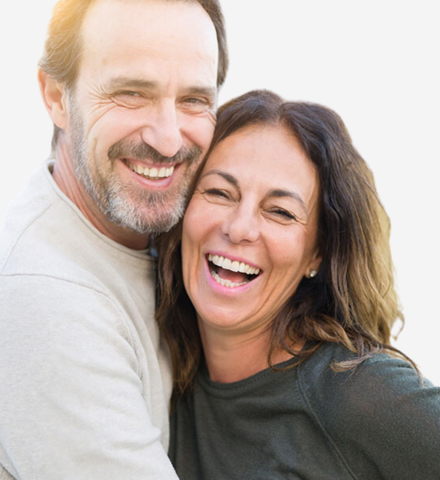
{"points": [[313, 266], [54, 98]]}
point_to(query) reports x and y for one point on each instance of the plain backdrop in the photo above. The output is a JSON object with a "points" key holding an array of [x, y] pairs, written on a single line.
{"points": [[376, 63]]}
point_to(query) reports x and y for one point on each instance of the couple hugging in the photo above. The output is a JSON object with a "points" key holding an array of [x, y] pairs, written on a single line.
{"points": [[191, 293]]}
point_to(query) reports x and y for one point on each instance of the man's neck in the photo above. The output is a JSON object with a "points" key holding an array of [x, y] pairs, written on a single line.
{"points": [[64, 176]]}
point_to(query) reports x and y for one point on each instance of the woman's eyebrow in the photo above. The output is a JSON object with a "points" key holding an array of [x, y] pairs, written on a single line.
{"points": [[227, 176], [279, 193]]}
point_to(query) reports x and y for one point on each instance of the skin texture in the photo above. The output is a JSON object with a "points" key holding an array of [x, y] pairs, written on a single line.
{"points": [[256, 202], [137, 88]]}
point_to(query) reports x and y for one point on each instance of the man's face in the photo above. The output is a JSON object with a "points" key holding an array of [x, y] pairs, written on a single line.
{"points": [[142, 112]]}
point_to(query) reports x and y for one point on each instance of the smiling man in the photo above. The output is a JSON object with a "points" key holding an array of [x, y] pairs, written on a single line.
{"points": [[131, 87]]}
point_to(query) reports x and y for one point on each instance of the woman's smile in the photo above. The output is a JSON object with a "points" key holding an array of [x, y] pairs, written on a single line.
{"points": [[249, 233], [231, 272], [286, 260]]}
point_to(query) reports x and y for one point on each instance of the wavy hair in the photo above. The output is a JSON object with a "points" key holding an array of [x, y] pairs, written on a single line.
{"points": [[352, 300]]}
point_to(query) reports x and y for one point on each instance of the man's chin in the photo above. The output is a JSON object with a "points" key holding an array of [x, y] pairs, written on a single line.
{"points": [[151, 220]]}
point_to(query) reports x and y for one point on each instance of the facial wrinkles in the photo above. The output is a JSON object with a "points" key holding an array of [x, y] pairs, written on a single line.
{"points": [[248, 210], [142, 151], [212, 116], [258, 323], [118, 202], [98, 105], [102, 102], [164, 71], [263, 166]]}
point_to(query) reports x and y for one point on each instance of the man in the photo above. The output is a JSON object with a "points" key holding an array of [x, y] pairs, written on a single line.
{"points": [[130, 86]]}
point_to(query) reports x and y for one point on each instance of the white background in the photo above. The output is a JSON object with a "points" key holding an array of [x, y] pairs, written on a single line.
{"points": [[376, 63]]}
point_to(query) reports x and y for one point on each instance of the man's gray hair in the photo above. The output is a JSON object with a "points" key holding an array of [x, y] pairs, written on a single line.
{"points": [[63, 45]]}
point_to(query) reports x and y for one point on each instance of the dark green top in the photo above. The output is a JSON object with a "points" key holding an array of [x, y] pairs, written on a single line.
{"points": [[311, 423]]}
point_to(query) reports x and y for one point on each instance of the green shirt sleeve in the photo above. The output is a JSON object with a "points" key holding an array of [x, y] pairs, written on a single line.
{"points": [[382, 419]]}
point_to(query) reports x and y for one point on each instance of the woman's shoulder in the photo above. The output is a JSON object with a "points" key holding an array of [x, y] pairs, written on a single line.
{"points": [[373, 384], [380, 367], [380, 410]]}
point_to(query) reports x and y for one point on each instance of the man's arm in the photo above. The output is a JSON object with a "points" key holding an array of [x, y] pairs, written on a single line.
{"points": [[72, 404]]}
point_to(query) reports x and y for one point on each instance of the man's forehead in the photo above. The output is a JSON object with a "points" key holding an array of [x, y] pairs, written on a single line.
{"points": [[174, 31], [135, 16]]}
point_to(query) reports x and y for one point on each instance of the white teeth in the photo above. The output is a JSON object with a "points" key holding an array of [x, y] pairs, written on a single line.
{"points": [[151, 173], [225, 282], [234, 266]]}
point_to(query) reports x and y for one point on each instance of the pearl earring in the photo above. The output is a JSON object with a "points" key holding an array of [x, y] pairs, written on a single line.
{"points": [[313, 273]]}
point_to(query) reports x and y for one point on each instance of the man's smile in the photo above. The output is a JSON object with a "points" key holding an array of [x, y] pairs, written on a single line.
{"points": [[151, 173]]}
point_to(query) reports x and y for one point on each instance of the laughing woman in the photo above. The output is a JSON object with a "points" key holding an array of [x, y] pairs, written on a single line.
{"points": [[279, 323]]}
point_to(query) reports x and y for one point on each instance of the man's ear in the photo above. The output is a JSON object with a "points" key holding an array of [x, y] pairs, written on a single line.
{"points": [[54, 98]]}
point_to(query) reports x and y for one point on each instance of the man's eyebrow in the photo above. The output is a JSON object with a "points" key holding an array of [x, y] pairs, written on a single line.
{"points": [[125, 82], [201, 90], [227, 176], [279, 193]]}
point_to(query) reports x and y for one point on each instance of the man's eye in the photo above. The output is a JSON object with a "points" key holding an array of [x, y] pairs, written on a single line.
{"points": [[130, 94], [129, 98], [196, 104], [195, 100]]}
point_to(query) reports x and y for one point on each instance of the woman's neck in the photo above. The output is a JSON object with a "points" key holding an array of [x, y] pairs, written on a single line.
{"points": [[230, 358]]}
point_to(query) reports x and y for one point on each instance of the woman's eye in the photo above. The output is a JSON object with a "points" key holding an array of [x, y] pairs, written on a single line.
{"points": [[283, 214], [215, 192]]}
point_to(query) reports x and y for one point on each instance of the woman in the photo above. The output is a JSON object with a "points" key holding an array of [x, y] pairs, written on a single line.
{"points": [[280, 324]]}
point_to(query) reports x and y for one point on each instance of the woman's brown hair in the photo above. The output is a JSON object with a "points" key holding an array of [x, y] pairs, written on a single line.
{"points": [[352, 299]]}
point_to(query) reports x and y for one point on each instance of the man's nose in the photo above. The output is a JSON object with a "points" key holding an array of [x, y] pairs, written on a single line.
{"points": [[162, 129]]}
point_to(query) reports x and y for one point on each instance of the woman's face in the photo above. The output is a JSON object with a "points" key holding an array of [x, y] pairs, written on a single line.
{"points": [[249, 233]]}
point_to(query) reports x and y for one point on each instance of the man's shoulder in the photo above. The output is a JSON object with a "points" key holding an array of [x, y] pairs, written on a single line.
{"points": [[54, 265], [30, 235], [44, 234]]}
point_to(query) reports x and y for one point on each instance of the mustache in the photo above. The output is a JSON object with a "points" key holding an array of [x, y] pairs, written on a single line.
{"points": [[142, 151]]}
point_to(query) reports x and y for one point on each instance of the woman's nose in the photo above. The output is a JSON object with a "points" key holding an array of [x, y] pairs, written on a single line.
{"points": [[241, 225]]}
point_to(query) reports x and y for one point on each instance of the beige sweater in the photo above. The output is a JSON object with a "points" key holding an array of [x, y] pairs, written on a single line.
{"points": [[84, 380]]}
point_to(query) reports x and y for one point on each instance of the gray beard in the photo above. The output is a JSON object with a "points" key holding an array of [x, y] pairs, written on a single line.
{"points": [[119, 202]]}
